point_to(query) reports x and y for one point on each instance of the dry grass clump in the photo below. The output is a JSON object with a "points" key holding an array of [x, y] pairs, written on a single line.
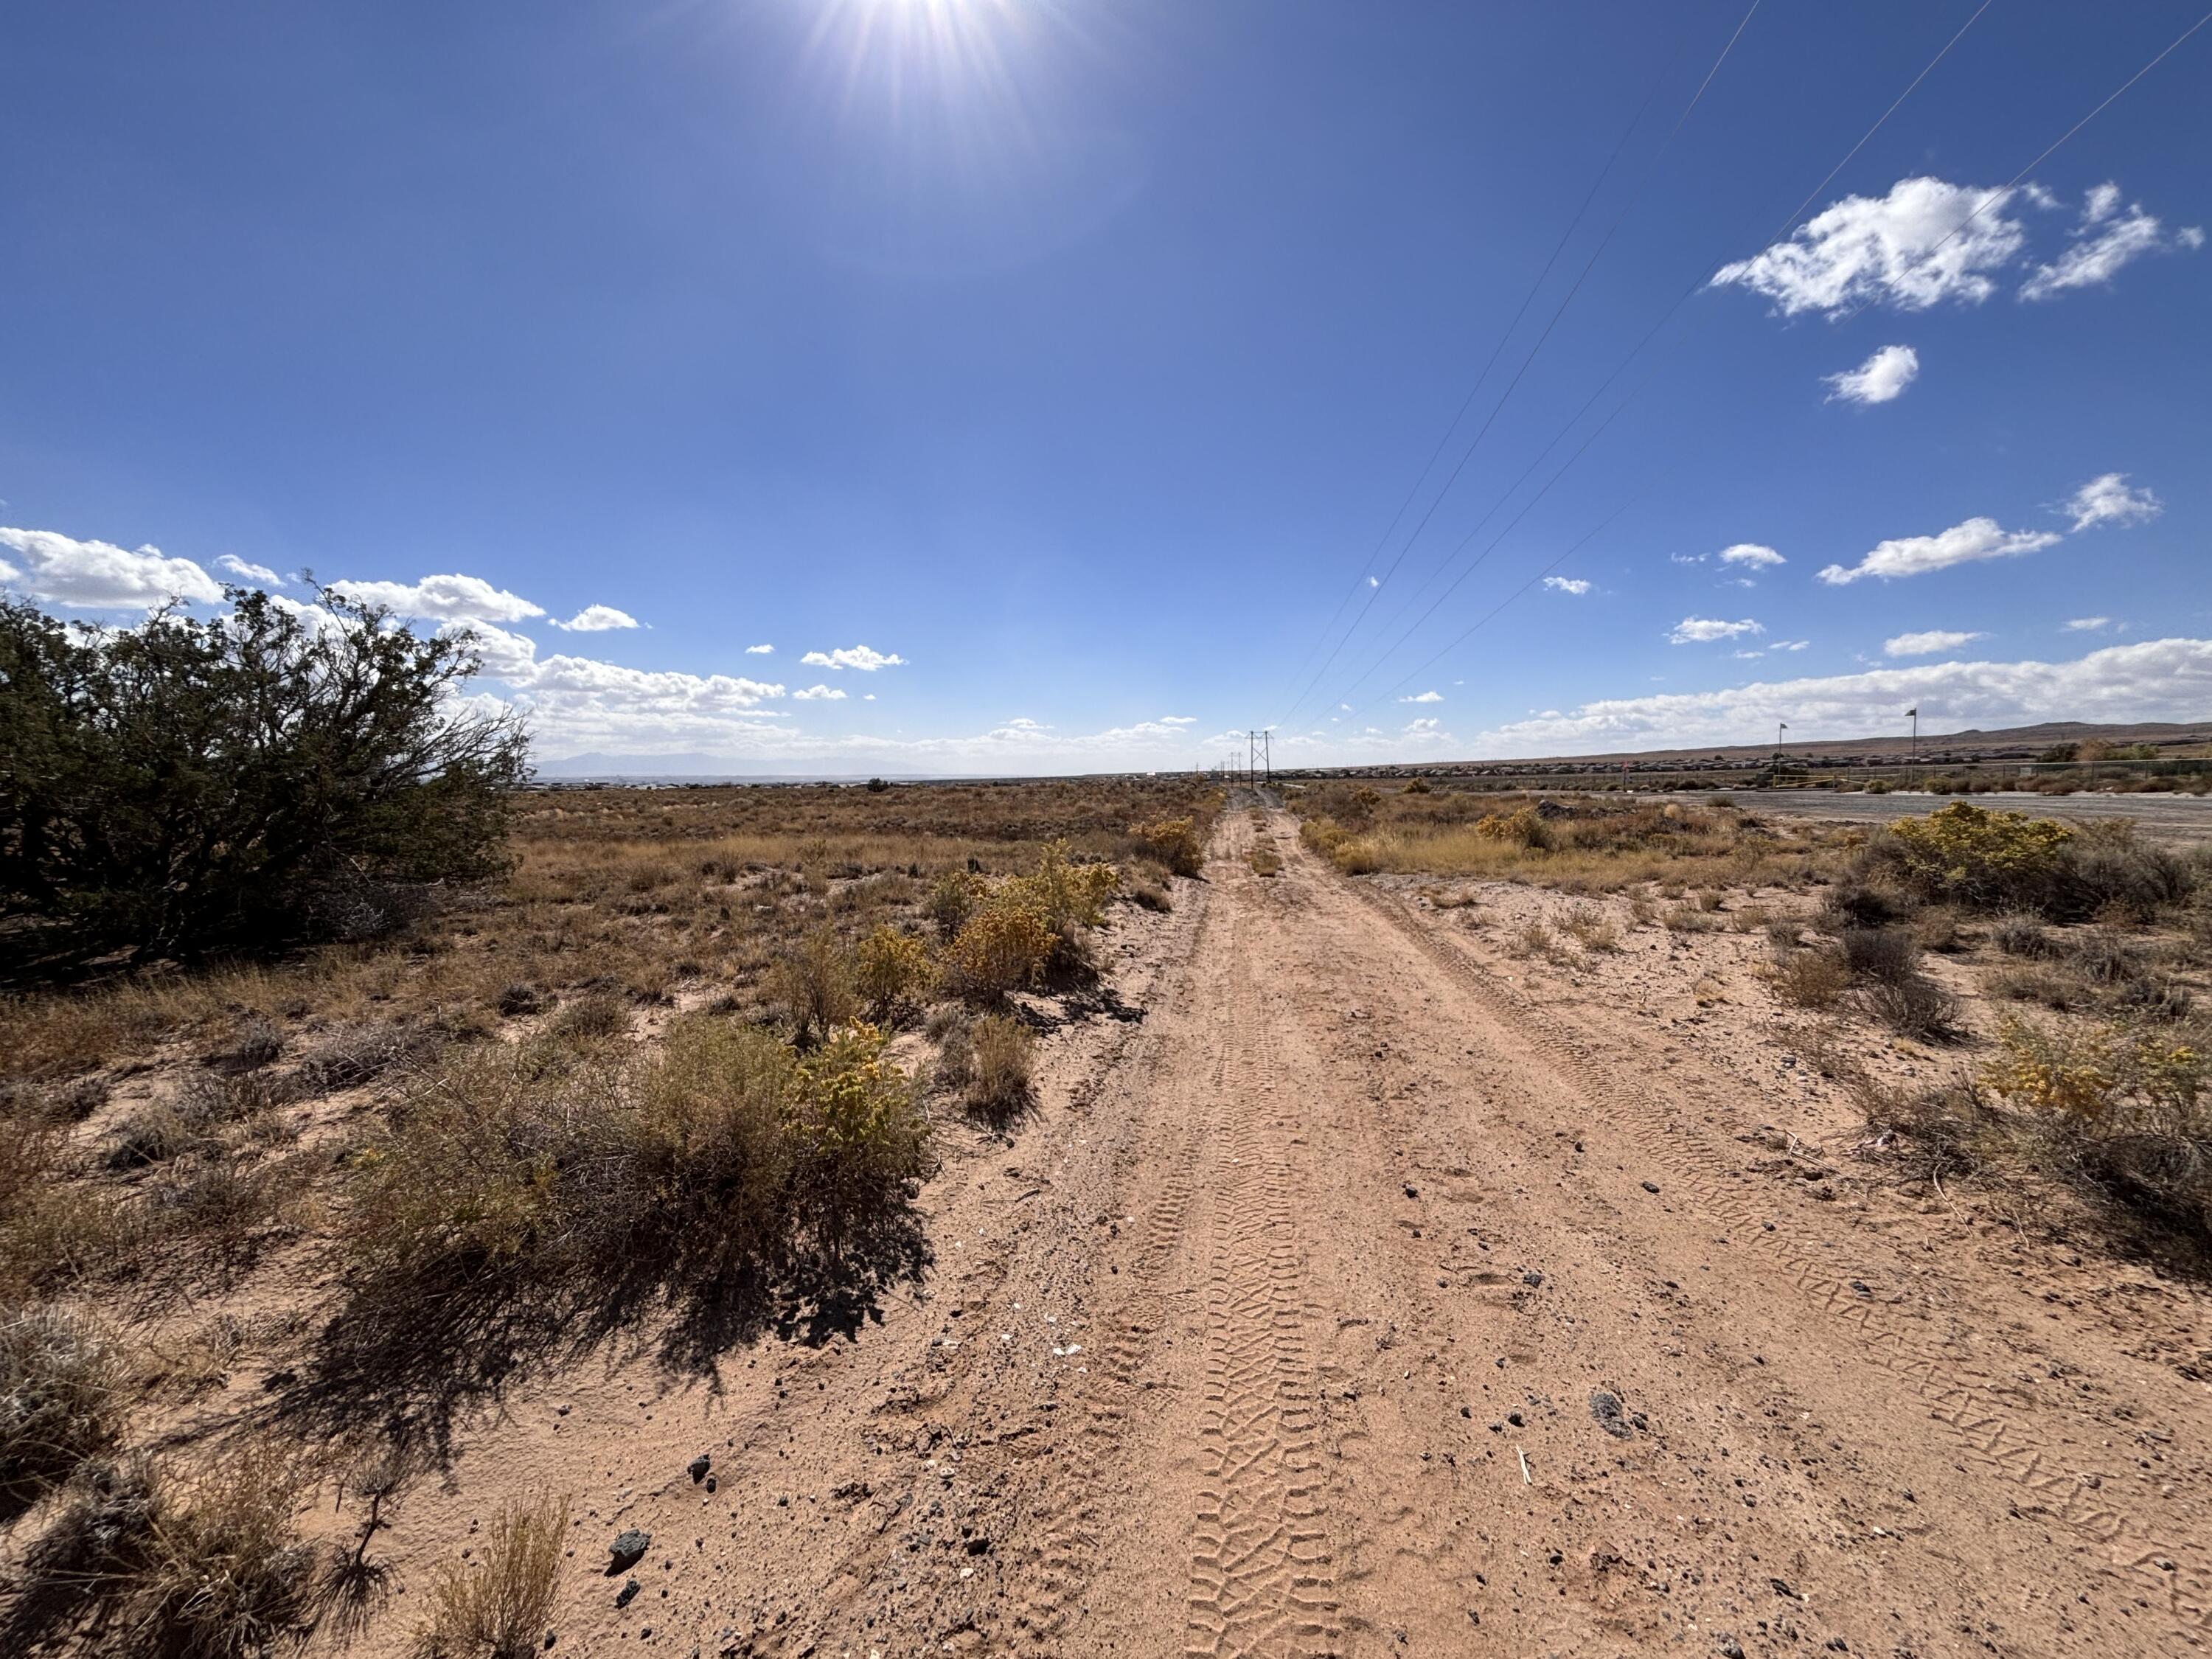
{"points": [[1265, 861], [1002, 1057], [1812, 979], [1592, 929], [813, 985], [61, 1398], [496, 1605], [720, 1151], [207, 1566]]}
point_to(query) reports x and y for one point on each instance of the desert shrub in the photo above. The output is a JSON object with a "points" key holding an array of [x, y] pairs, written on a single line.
{"points": [[1812, 979], [1149, 896], [859, 1140], [1004, 948], [892, 971], [1965, 855], [496, 1605], [1265, 861], [2106, 957], [1887, 954], [713, 1153], [243, 781], [952, 901], [354, 1055], [2153, 996], [1174, 842], [1853, 903], [2021, 936], [520, 998], [2125, 1107], [1914, 1006], [61, 1380], [2109, 873], [812, 985], [1522, 828], [1933, 1133], [2051, 988], [1937, 928], [1003, 1057], [592, 1017]]}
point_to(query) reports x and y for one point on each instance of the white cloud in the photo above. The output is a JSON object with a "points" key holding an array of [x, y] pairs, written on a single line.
{"points": [[1752, 555], [1701, 630], [1424, 696], [99, 575], [259, 573], [1574, 585], [1686, 558], [819, 694], [505, 656], [2095, 260], [1790, 645], [1914, 556], [2090, 624], [2159, 679], [2107, 499], [1929, 643], [857, 656], [444, 598], [598, 619], [1425, 728], [1880, 379], [1927, 242]]}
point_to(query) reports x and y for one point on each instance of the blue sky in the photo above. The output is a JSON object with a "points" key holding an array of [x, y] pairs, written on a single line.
{"points": [[1048, 371]]}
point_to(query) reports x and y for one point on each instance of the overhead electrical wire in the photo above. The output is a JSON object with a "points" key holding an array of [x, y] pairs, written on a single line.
{"points": [[1665, 317], [1635, 196], [1363, 576], [2045, 155]]}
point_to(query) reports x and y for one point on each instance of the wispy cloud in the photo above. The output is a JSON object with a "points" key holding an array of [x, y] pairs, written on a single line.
{"points": [[1574, 585], [246, 570], [1752, 555], [2107, 499], [859, 657], [1703, 630], [759, 650], [1880, 379], [2105, 244], [1424, 696], [2089, 624], [599, 619], [1929, 643], [1914, 556], [819, 694]]}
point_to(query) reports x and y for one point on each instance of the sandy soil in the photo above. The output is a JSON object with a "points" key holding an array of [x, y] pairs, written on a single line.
{"points": [[1379, 1291]]}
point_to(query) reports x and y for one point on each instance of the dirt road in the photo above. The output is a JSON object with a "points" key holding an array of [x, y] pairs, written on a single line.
{"points": [[1358, 1300]]}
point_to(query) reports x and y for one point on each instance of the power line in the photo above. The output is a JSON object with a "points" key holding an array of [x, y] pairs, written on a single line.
{"points": [[1635, 196], [1665, 317], [1444, 438], [2046, 155]]}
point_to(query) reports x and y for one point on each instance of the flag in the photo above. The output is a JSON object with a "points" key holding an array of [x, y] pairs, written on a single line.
{"points": [[1785, 726], [1912, 713]]}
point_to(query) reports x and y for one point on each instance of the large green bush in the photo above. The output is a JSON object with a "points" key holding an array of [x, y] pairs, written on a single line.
{"points": [[256, 779]]}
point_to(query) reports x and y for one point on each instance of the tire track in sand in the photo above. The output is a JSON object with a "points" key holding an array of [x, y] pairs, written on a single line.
{"points": [[1973, 1409], [1261, 1578]]}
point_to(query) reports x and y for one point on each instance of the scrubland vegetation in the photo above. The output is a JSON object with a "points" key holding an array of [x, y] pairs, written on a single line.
{"points": [[2086, 947], [679, 1058]]}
